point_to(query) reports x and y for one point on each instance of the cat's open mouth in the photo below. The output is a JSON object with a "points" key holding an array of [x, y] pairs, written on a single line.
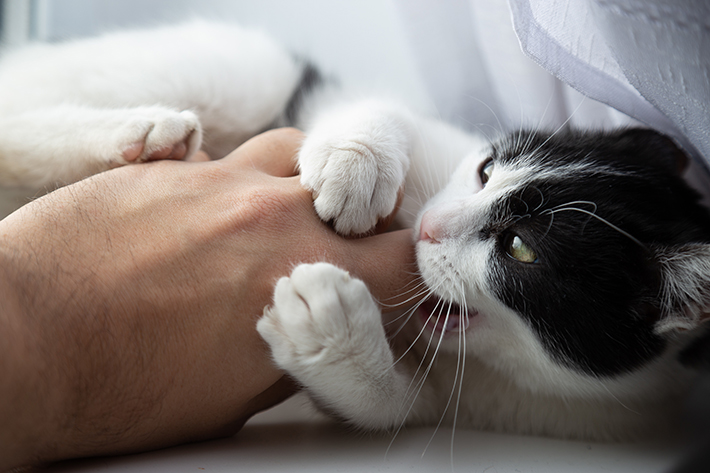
{"points": [[440, 316]]}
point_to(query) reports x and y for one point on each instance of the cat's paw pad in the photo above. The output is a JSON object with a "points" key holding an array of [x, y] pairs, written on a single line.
{"points": [[321, 317], [155, 133], [355, 175]]}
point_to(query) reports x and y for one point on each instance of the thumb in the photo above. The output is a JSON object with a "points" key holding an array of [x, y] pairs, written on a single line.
{"points": [[387, 264]]}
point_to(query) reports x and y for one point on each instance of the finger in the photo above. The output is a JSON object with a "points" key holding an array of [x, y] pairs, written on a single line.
{"points": [[387, 264], [272, 152]]}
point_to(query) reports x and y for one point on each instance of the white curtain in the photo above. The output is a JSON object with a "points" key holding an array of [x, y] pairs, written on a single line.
{"points": [[591, 63], [647, 58]]}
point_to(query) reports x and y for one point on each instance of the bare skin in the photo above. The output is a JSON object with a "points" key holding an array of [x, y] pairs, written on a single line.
{"points": [[128, 301]]}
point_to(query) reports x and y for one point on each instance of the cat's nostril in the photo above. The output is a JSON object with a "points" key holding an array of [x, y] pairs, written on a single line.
{"points": [[424, 236], [427, 231]]}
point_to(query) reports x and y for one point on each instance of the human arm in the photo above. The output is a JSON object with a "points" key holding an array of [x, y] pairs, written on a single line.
{"points": [[132, 300]]}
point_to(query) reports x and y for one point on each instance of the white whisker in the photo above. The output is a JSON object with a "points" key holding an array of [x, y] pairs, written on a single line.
{"points": [[617, 399], [462, 354], [431, 363], [416, 387], [562, 126], [409, 312], [603, 220], [501, 128], [414, 289], [421, 332], [453, 388]]}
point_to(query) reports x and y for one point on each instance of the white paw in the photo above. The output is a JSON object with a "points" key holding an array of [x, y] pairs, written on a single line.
{"points": [[151, 133], [355, 165], [324, 326]]}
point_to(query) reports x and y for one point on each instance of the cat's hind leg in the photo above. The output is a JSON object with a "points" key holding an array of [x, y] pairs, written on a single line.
{"points": [[65, 143], [325, 330]]}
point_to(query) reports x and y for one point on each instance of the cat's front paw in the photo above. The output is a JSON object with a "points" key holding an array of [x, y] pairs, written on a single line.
{"points": [[151, 133], [325, 329], [355, 165]]}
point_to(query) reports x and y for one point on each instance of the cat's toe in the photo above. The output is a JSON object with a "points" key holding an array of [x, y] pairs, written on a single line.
{"points": [[354, 185], [178, 151], [155, 133], [175, 136], [320, 314], [133, 151]]}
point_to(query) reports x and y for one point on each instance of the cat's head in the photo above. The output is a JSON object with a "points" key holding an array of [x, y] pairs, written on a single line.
{"points": [[562, 259]]}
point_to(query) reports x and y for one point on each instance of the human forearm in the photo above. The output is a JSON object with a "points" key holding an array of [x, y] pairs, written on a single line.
{"points": [[109, 353], [28, 398], [52, 346]]}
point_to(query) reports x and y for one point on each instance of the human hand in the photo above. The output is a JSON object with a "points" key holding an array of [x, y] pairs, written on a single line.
{"points": [[136, 294]]}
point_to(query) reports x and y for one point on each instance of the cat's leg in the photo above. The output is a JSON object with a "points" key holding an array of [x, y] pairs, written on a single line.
{"points": [[325, 330], [357, 156], [355, 159], [63, 144]]}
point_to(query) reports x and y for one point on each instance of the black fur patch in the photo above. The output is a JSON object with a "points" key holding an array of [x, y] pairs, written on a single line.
{"points": [[697, 355], [593, 296], [311, 78]]}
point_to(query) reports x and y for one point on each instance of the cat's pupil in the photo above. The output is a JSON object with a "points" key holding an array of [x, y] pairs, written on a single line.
{"points": [[487, 171], [519, 250]]}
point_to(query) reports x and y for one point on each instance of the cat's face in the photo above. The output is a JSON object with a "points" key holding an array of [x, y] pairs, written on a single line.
{"points": [[546, 255]]}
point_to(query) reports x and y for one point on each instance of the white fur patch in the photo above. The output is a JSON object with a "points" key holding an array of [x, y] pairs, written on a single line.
{"points": [[324, 328], [354, 161], [71, 109]]}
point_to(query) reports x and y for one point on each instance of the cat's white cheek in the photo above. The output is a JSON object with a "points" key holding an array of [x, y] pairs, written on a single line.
{"points": [[507, 344]]}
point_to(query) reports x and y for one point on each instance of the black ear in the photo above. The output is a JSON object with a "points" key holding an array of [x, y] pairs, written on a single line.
{"points": [[652, 148], [684, 298]]}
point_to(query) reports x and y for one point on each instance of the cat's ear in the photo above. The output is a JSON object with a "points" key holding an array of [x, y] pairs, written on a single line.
{"points": [[653, 148], [684, 296]]}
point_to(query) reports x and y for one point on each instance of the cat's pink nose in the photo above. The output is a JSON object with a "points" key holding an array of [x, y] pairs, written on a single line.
{"points": [[427, 230]]}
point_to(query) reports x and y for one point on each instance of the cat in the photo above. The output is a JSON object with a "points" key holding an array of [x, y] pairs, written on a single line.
{"points": [[565, 273]]}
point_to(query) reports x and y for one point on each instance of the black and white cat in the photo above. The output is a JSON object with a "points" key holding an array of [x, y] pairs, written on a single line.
{"points": [[567, 274]]}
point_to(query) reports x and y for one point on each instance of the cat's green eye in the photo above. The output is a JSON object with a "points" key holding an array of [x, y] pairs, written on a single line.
{"points": [[518, 249], [487, 171]]}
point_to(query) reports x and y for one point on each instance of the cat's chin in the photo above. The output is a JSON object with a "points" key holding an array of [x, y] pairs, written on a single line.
{"points": [[439, 317]]}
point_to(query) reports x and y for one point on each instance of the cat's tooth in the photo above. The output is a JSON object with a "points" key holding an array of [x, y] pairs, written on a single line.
{"points": [[454, 323]]}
